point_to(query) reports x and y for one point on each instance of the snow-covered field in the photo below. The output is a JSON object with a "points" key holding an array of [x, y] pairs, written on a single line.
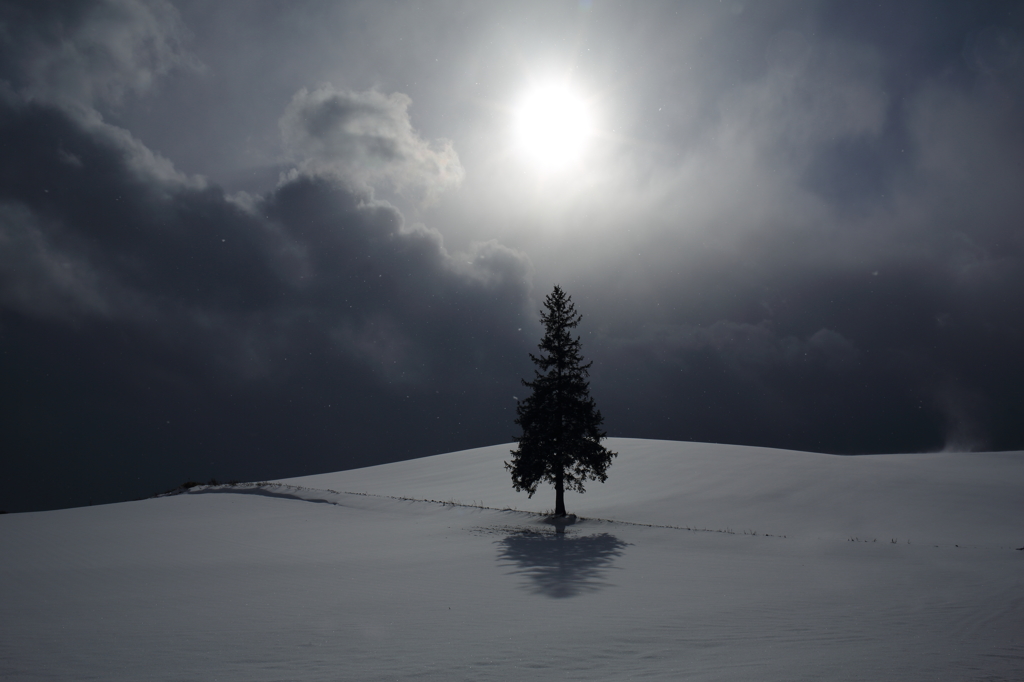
{"points": [[806, 567]]}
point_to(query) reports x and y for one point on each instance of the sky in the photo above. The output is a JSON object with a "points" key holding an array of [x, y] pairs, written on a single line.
{"points": [[251, 240]]}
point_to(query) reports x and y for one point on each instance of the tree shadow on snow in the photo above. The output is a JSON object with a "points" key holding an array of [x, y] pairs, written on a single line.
{"points": [[559, 565]]}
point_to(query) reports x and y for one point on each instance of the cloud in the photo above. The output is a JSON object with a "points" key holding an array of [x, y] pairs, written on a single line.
{"points": [[38, 278], [91, 52], [301, 320], [368, 138], [304, 320], [834, 239], [729, 382], [752, 351], [995, 51], [96, 226], [968, 146], [812, 92]]}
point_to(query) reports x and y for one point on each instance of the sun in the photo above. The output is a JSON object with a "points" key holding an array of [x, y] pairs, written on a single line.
{"points": [[551, 127]]}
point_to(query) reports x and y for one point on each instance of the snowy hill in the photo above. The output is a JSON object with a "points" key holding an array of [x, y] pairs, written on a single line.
{"points": [[807, 566], [956, 498]]}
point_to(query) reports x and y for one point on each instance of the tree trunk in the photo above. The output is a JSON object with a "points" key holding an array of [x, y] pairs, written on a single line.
{"points": [[559, 495]]}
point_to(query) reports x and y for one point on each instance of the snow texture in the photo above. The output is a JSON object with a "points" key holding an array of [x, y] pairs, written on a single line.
{"points": [[694, 561]]}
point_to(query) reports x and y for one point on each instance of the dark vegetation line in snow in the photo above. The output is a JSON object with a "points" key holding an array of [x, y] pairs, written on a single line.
{"points": [[263, 488]]}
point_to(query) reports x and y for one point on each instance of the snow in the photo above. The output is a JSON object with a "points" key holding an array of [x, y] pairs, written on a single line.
{"points": [[795, 577]]}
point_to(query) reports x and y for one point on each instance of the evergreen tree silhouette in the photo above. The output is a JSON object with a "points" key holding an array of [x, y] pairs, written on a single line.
{"points": [[561, 425]]}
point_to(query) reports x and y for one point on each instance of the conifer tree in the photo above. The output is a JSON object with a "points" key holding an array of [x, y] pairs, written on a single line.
{"points": [[561, 426]]}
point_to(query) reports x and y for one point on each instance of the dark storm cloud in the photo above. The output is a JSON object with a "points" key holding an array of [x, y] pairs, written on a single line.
{"points": [[892, 371], [95, 225], [314, 283], [837, 186], [187, 297]]}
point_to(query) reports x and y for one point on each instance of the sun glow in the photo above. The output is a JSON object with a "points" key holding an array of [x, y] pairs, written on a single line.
{"points": [[552, 126]]}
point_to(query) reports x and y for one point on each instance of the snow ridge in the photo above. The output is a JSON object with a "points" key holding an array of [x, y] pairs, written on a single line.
{"points": [[328, 496]]}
